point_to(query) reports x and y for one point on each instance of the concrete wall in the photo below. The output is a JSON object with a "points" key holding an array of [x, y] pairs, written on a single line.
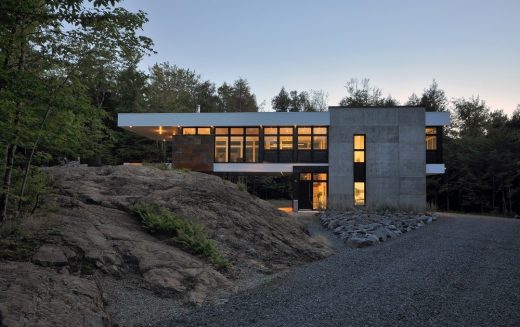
{"points": [[395, 157]]}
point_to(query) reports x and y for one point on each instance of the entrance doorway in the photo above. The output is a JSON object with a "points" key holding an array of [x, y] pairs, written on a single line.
{"points": [[312, 191]]}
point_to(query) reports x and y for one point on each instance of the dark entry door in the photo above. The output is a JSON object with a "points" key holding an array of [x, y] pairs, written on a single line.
{"points": [[305, 195]]}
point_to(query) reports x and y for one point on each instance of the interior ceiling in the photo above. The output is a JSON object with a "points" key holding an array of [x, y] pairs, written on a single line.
{"points": [[159, 133]]}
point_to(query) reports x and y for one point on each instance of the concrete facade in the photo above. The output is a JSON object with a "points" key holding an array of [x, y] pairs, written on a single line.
{"points": [[395, 157]]}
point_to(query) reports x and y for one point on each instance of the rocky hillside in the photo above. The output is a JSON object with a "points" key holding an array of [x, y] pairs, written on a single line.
{"points": [[87, 234]]}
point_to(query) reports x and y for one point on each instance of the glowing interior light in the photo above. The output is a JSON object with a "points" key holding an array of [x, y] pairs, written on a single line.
{"points": [[131, 126], [160, 130]]}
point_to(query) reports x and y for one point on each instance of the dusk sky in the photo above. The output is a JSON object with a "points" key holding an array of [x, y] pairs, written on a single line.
{"points": [[470, 47]]}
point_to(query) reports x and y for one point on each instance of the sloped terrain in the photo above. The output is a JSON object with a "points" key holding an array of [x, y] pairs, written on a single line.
{"points": [[92, 235]]}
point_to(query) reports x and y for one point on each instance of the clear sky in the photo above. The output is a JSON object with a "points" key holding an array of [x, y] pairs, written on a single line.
{"points": [[471, 47]]}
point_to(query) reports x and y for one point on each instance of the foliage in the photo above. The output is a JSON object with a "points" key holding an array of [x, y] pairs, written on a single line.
{"points": [[314, 100], [190, 235], [16, 243], [362, 94], [434, 99]]}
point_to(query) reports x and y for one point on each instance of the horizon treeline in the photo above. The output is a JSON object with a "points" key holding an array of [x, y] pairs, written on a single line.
{"points": [[68, 67]]}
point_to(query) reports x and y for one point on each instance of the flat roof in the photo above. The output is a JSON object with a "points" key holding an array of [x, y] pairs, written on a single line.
{"points": [[157, 125]]}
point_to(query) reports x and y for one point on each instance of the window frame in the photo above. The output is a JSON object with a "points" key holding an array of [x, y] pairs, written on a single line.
{"points": [[247, 131]]}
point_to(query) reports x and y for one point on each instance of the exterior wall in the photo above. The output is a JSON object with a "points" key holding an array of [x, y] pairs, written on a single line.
{"points": [[194, 152], [395, 157]]}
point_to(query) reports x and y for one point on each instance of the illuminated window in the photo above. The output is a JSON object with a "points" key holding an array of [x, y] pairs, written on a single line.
{"points": [[204, 131], [304, 142], [359, 142], [320, 176], [252, 131], [221, 148], [252, 148], [319, 195], [359, 156], [271, 142], [286, 142], [270, 131], [286, 130], [221, 131], [304, 130], [320, 130], [236, 149], [319, 142], [431, 138], [359, 193], [237, 131], [189, 131]]}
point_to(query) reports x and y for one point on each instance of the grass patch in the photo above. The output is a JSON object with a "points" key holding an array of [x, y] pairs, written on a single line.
{"points": [[187, 234], [16, 244]]}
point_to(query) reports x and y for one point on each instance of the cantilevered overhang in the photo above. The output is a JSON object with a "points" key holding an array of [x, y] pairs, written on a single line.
{"points": [[437, 118], [158, 125]]}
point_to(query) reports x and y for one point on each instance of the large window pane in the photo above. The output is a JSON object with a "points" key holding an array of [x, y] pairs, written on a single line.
{"points": [[304, 142], [359, 194], [221, 131], [286, 142], [251, 148], [319, 195], [221, 148], [431, 130], [320, 176], [271, 142], [320, 130], [431, 142], [236, 149], [304, 130], [237, 131], [189, 131], [359, 142], [204, 131], [305, 176], [286, 130], [359, 156], [270, 130], [252, 131], [319, 142]]}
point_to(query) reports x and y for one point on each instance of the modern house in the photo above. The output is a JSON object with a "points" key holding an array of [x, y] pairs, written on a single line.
{"points": [[345, 157]]}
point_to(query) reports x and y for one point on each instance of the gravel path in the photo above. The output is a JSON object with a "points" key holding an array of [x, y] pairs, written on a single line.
{"points": [[459, 271]]}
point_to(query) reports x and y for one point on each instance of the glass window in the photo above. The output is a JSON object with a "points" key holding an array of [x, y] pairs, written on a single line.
{"points": [[359, 142], [304, 142], [320, 176], [252, 131], [304, 130], [271, 142], [252, 148], [359, 156], [286, 130], [204, 131], [237, 131], [221, 131], [189, 131], [320, 130], [431, 142], [270, 130], [319, 142], [285, 142], [431, 130], [221, 148], [305, 176], [319, 195], [359, 193], [236, 149]]}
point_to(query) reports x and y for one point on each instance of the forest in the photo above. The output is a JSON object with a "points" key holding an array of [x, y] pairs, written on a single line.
{"points": [[68, 67]]}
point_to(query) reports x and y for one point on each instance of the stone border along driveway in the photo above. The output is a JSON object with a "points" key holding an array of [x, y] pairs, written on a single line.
{"points": [[359, 228]]}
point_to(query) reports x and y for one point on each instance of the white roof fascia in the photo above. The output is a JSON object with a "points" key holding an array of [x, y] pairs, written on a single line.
{"points": [[437, 118], [224, 119]]}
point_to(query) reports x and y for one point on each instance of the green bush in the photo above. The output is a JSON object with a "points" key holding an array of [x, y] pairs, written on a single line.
{"points": [[190, 235]]}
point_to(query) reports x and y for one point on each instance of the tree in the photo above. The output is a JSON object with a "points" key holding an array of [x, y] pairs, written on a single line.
{"points": [[361, 94], [471, 116], [242, 99], [282, 101], [413, 100], [44, 46], [318, 100], [434, 99]]}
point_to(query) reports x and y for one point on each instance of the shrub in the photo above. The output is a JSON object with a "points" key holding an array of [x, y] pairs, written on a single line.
{"points": [[189, 235]]}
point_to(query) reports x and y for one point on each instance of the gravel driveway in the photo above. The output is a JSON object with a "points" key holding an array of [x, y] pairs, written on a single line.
{"points": [[459, 271]]}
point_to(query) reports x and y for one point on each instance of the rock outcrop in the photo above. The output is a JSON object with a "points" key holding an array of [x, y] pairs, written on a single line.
{"points": [[93, 234], [359, 228]]}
